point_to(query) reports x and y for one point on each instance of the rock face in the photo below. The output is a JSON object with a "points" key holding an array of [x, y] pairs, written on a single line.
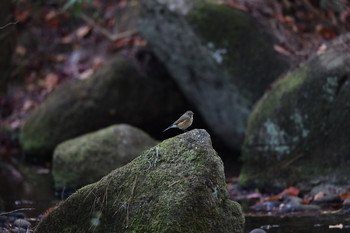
{"points": [[86, 159], [298, 133], [217, 55], [176, 186], [121, 92]]}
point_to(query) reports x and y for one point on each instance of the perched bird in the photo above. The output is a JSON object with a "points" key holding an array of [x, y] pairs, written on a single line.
{"points": [[183, 122]]}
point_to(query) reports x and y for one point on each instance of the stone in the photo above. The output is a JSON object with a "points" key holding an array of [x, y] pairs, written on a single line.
{"points": [[136, 91], [298, 132], [346, 206], [22, 223], [176, 186], [86, 159], [219, 56], [257, 230]]}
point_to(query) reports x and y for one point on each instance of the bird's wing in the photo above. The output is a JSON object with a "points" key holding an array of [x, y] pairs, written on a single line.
{"points": [[182, 118]]}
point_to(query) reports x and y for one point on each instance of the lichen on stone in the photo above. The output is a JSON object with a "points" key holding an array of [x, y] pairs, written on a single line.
{"points": [[176, 186]]}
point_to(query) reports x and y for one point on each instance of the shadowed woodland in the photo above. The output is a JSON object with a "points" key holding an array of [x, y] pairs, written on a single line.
{"points": [[88, 86]]}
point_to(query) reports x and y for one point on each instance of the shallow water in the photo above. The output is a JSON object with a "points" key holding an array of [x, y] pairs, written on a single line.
{"points": [[35, 194]]}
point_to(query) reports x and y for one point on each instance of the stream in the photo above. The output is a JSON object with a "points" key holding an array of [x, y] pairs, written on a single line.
{"points": [[34, 195]]}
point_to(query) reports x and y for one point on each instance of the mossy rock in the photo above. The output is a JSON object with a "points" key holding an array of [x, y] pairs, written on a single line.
{"points": [[299, 131], [176, 186], [222, 60], [124, 91], [86, 159]]}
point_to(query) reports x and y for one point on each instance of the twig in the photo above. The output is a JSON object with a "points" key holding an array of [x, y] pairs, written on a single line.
{"points": [[14, 211], [183, 179], [10, 23], [292, 160], [105, 32], [129, 201]]}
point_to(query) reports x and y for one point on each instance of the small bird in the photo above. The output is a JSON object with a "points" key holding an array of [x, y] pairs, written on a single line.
{"points": [[183, 122]]}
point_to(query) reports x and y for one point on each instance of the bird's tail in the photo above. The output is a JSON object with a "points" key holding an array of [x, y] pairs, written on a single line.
{"points": [[172, 126]]}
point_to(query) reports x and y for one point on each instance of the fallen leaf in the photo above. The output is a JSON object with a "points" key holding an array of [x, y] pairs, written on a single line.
{"points": [[83, 31], [326, 33], [254, 196], [22, 16], [67, 39], [319, 195], [292, 191], [273, 198], [307, 200], [86, 74], [322, 49], [16, 124], [344, 196], [97, 63], [60, 58], [53, 19], [282, 50], [237, 6], [21, 51], [51, 81], [27, 105]]}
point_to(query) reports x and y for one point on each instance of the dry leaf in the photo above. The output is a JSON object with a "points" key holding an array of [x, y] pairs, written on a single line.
{"points": [[21, 51], [53, 19], [282, 50], [292, 191], [67, 39], [322, 49], [319, 195], [344, 196], [22, 16], [51, 81], [28, 104], [86, 74], [326, 33], [83, 31]]}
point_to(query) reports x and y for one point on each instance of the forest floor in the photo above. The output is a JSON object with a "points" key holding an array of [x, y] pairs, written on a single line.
{"points": [[55, 45]]}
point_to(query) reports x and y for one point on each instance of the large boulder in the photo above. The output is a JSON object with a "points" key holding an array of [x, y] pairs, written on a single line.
{"points": [[176, 186], [219, 56], [299, 132], [134, 91], [86, 159]]}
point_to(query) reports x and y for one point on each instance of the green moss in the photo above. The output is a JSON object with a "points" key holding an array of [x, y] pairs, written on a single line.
{"points": [[87, 158], [235, 43], [273, 100], [300, 121], [175, 194]]}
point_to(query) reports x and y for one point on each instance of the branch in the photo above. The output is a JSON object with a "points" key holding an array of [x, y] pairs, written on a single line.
{"points": [[183, 179], [10, 23], [105, 32], [14, 211]]}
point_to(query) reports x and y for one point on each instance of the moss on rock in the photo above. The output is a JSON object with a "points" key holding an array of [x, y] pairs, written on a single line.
{"points": [[298, 132], [86, 159], [176, 186]]}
